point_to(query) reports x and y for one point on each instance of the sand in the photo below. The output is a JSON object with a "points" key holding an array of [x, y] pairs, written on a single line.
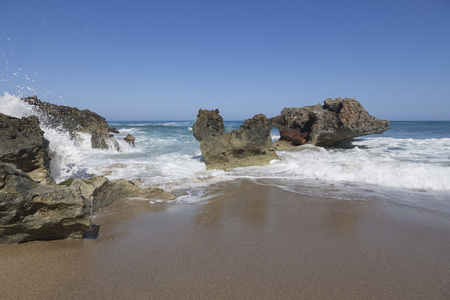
{"points": [[256, 242]]}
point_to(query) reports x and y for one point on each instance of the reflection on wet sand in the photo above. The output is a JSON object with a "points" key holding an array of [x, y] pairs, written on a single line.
{"points": [[111, 218], [247, 204], [252, 242], [342, 218]]}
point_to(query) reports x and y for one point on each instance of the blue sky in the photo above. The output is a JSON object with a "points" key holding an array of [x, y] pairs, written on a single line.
{"points": [[163, 60]]}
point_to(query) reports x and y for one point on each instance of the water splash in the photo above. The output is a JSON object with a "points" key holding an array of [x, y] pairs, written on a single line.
{"points": [[68, 156]]}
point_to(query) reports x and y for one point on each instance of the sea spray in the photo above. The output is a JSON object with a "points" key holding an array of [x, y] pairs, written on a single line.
{"points": [[68, 155], [12, 106]]}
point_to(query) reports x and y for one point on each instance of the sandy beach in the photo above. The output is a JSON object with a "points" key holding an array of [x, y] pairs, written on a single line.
{"points": [[253, 241]]}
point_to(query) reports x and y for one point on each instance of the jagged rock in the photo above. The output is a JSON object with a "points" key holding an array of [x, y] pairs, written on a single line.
{"points": [[31, 211], [74, 121], [328, 124], [249, 145], [130, 139], [22, 143]]}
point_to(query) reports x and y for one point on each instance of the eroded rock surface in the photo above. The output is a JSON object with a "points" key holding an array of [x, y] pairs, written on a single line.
{"points": [[328, 124], [74, 121], [31, 211], [101, 192], [248, 146], [22, 143]]}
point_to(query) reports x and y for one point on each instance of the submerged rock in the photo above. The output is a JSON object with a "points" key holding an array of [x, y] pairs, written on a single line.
{"points": [[248, 146], [22, 143], [31, 211], [328, 124], [74, 121]]}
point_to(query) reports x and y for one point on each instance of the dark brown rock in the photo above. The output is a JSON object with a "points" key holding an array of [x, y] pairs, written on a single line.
{"points": [[74, 121], [328, 124], [22, 143], [249, 145]]}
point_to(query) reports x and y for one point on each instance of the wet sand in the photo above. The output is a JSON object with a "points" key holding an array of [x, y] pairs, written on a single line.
{"points": [[254, 242]]}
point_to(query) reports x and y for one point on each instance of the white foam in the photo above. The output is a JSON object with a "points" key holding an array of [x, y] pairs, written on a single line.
{"points": [[12, 106], [171, 164], [355, 166], [68, 156], [170, 171], [130, 130]]}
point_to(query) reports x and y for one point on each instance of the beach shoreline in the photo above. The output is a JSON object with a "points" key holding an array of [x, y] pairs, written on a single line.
{"points": [[252, 241]]}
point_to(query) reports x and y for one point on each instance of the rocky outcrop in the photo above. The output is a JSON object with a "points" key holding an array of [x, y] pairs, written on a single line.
{"points": [[248, 146], [328, 124], [31, 211], [32, 207], [22, 143], [130, 139], [74, 121]]}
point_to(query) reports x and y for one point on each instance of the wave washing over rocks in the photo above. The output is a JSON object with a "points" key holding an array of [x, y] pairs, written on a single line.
{"points": [[409, 163], [32, 206]]}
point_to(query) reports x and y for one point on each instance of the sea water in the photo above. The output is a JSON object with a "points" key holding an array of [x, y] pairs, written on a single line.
{"points": [[410, 163]]}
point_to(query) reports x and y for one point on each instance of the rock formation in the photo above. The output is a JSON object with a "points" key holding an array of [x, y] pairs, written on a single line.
{"points": [[22, 143], [32, 206], [101, 192], [247, 146], [74, 121], [130, 139], [31, 211], [113, 130], [328, 124]]}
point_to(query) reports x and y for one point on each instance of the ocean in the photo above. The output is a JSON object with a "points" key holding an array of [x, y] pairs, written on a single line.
{"points": [[409, 164]]}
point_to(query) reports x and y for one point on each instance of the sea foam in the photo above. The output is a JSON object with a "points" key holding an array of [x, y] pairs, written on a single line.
{"points": [[68, 156]]}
